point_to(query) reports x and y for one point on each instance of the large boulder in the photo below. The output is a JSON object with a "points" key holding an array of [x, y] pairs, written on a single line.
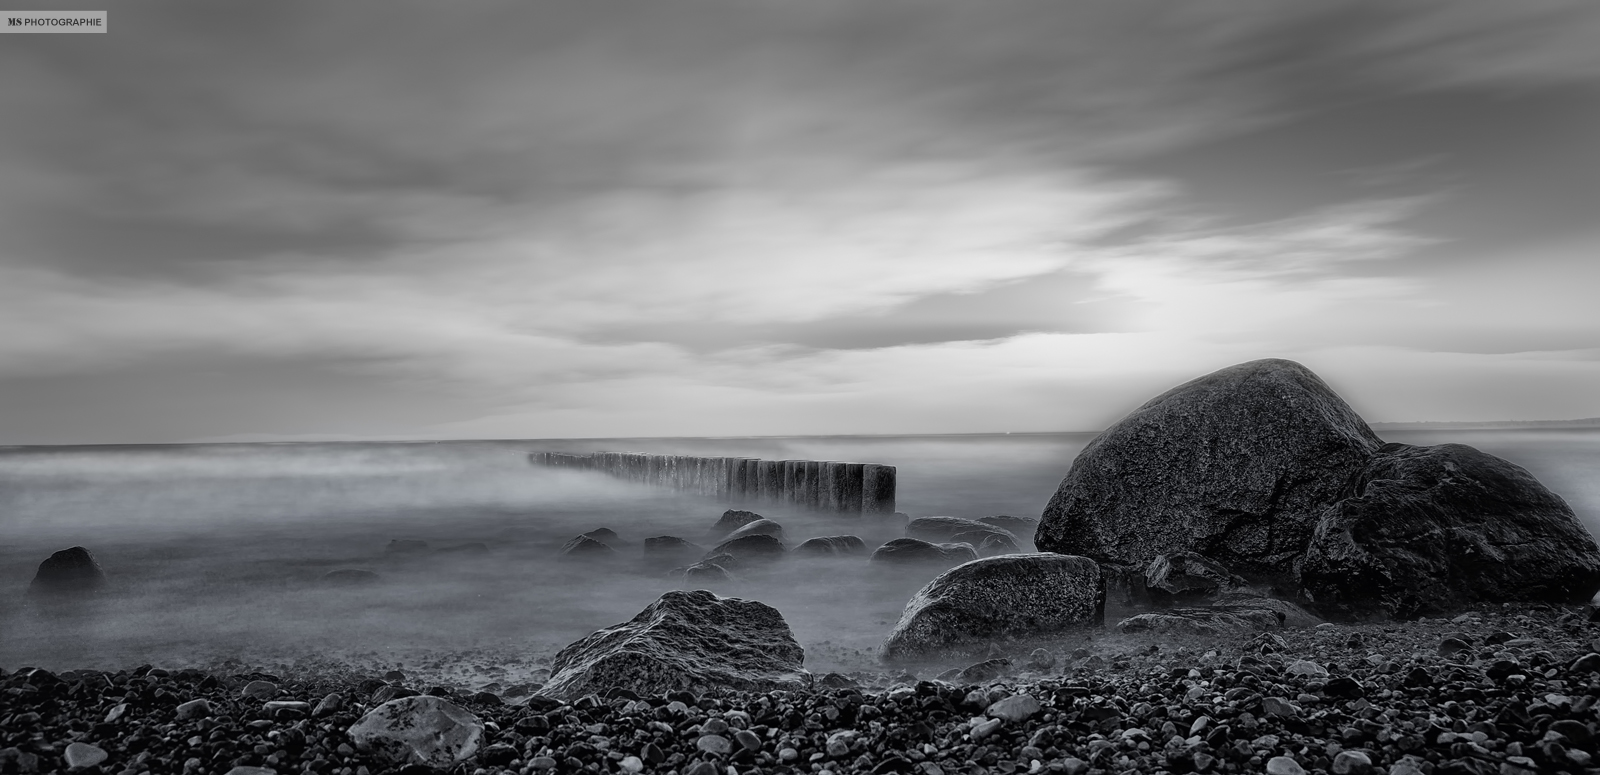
{"points": [[694, 641], [1427, 530], [829, 546], [732, 520], [943, 529], [1236, 466], [69, 571], [1018, 597], [1185, 578], [914, 551], [585, 547], [425, 730]]}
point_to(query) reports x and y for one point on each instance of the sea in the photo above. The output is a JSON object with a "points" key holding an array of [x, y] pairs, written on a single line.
{"points": [[215, 552]]}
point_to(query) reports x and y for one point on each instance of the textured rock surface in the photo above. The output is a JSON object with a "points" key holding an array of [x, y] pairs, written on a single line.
{"points": [[1186, 578], [683, 641], [1236, 465], [1022, 527], [941, 529], [914, 550], [832, 546], [998, 543], [68, 571], [733, 519], [751, 547], [1232, 614], [1017, 597], [1429, 529], [757, 527], [421, 730], [584, 546]]}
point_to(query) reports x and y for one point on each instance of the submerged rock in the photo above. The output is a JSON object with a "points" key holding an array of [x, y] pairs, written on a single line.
{"points": [[670, 550], [1426, 530], [996, 540], [1015, 597], [943, 529], [758, 527], [69, 571], [422, 730], [692, 641], [759, 546], [1236, 466], [585, 546], [829, 546], [1021, 527], [914, 551], [733, 519]]}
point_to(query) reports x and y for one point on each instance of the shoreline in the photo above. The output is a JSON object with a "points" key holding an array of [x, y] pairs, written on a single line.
{"points": [[1520, 696]]}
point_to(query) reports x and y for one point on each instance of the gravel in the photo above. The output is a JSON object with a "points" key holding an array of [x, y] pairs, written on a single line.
{"points": [[1384, 698]]}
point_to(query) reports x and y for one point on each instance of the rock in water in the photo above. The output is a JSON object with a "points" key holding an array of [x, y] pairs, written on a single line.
{"points": [[733, 519], [423, 730], [585, 547], [758, 527], [1428, 529], [751, 547], [68, 571], [1012, 597], [940, 529], [1236, 465], [684, 640], [671, 550], [1018, 526], [829, 546], [902, 551], [1185, 578]]}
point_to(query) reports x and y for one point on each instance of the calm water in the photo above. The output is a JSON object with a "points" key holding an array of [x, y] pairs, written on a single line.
{"points": [[215, 550]]}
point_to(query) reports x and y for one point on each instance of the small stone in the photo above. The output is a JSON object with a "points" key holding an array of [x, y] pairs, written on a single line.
{"points": [[1016, 708], [117, 711], [193, 709], [1306, 668], [1283, 765], [652, 753], [244, 770], [631, 764], [259, 690], [713, 726], [985, 729], [1449, 647], [788, 755], [329, 705], [542, 763], [84, 755], [1351, 763], [1277, 706], [1041, 659], [1588, 663], [1075, 766], [748, 740], [716, 744]]}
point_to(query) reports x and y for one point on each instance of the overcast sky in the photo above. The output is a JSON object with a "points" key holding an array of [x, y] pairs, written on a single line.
{"points": [[254, 220]]}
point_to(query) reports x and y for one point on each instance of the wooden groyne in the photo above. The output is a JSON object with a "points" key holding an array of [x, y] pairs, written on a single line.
{"points": [[845, 488]]}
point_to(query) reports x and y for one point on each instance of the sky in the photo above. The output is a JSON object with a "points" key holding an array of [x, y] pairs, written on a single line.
{"points": [[586, 218]]}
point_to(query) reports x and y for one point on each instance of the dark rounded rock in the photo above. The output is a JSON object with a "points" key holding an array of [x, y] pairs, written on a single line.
{"points": [[1018, 526], [1426, 530], [1236, 465], [758, 527], [915, 551], [671, 550], [759, 546], [1019, 596], [829, 546], [604, 535], [996, 544], [733, 519], [69, 571], [942, 529], [684, 640], [586, 547]]}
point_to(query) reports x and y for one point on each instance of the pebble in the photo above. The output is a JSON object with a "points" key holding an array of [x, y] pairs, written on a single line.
{"points": [[1283, 765], [1351, 763], [985, 729], [632, 764], [1016, 708], [716, 744], [84, 755], [259, 690], [747, 740], [193, 709]]}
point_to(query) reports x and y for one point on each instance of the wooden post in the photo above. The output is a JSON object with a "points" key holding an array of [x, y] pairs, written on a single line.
{"points": [[877, 489], [828, 476], [850, 489]]}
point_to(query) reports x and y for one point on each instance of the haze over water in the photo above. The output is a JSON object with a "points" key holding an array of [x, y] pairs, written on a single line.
{"points": [[215, 551]]}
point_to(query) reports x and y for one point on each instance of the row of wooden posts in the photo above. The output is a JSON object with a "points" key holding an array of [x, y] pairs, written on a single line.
{"points": [[846, 488]]}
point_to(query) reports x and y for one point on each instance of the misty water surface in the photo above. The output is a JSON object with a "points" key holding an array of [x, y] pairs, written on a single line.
{"points": [[215, 551]]}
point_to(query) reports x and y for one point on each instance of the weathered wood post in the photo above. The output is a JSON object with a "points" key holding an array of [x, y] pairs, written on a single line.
{"points": [[877, 489], [829, 475], [850, 489]]}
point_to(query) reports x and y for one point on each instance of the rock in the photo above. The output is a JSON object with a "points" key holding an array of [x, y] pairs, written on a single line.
{"points": [[706, 573], [350, 577], [474, 548], [79, 755], [406, 546], [985, 729], [1283, 765], [1041, 659], [943, 529], [1021, 527], [193, 709], [733, 519], [423, 730], [1289, 615], [246, 770], [1351, 763], [1449, 647], [259, 690], [759, 546], [997, 544], [671, 550], [1016, 709], [759, 527], [917, 551], [716, 744], [1186, 578], [684, 640], [587, 547], [69, 571], [831, 546], [1237, 466], [605, 535], [329, 705], [1425, 530], [1307, 668], [1202, 621], [1013, 597]]}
